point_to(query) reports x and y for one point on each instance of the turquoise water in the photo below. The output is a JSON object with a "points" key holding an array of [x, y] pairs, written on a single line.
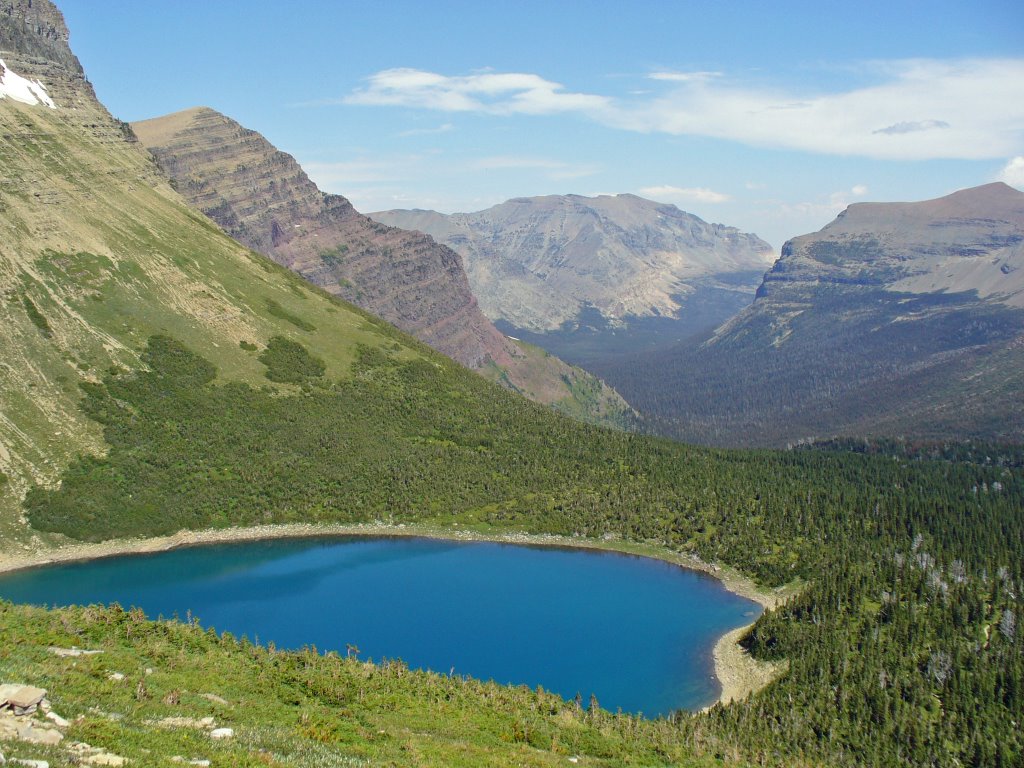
{"points": [[637, 633]]}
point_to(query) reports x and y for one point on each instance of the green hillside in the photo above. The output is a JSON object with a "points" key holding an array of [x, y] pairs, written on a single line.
{"points": [[97, 255]]}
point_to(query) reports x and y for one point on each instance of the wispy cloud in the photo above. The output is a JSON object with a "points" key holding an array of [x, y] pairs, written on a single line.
{"points": [[444, 128], [666, 193], [498, 93], [554, 169], [1013, 173], [683, 77], [916, 109]]}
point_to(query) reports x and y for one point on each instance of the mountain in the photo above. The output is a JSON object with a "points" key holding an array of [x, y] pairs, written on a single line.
{"points": [[896, 319], [586, 277], [261, 197]]}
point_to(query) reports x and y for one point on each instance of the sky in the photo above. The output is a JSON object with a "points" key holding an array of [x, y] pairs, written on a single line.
{"points": [[771, 117]]}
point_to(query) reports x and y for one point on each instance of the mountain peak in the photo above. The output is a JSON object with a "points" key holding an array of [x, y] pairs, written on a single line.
{"points": [[39, 67], [36, 29], [988, 201], [539, 263]]}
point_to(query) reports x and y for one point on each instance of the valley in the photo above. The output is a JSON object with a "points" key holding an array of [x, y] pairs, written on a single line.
{"points": [[897, 319]]}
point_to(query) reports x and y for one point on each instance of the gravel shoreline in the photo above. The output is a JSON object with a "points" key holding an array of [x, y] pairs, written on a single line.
{"points": [[738, 674]]}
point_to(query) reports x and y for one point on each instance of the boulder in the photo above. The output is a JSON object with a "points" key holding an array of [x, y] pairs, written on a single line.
{"points": [[57, 720], [33, 735], [26, 699]]}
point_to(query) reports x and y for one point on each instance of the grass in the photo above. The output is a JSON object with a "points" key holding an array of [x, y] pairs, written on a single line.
{"points": [[296, 708]]}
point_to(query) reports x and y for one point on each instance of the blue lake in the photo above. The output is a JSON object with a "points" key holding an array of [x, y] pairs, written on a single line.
{"points": [[637, 633]]}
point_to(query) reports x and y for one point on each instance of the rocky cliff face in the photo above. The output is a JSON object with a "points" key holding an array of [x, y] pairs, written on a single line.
{"points": [[262, 198], [972, 240], [538, 262], [895, 319]]}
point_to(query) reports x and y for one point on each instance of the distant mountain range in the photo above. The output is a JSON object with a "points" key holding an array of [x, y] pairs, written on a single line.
{"points": [[895, 319], [262, 198], [588, 277]]}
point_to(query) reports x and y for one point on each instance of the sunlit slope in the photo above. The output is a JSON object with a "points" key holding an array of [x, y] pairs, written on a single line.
{"points": [[97, 254]]}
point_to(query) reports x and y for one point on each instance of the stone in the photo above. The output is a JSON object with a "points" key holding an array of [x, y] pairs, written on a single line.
{"points": [[29, 763], [207, 721], [222, 733], [70, 652], [34, 735], [9, 728], [57, 720], [116, 676], [23, 699], [106, 758], [214, 698]]}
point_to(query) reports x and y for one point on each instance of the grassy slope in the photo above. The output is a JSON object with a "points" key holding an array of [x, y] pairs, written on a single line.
{"points": [[296, 709], [108, 255]]}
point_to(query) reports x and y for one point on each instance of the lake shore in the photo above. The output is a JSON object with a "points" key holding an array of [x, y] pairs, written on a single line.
{"points": [[739, 675]]}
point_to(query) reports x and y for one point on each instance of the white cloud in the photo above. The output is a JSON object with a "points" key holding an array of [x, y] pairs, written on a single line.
{"points": [[683, 77], [512, 161], [497, 93], [981, 102], [824, 208], [1013, 173], [916, 109], [669, 194]]}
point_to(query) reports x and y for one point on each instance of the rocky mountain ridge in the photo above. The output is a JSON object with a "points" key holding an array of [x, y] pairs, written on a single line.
{"points": [[262, 198], [537, 262], [971, 240]]}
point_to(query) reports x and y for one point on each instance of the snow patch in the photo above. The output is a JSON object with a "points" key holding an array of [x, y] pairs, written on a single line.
{"points": [[14, 86]]}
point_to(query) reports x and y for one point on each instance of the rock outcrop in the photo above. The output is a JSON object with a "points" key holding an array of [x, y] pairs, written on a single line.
{"points": [[895, 319]]}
